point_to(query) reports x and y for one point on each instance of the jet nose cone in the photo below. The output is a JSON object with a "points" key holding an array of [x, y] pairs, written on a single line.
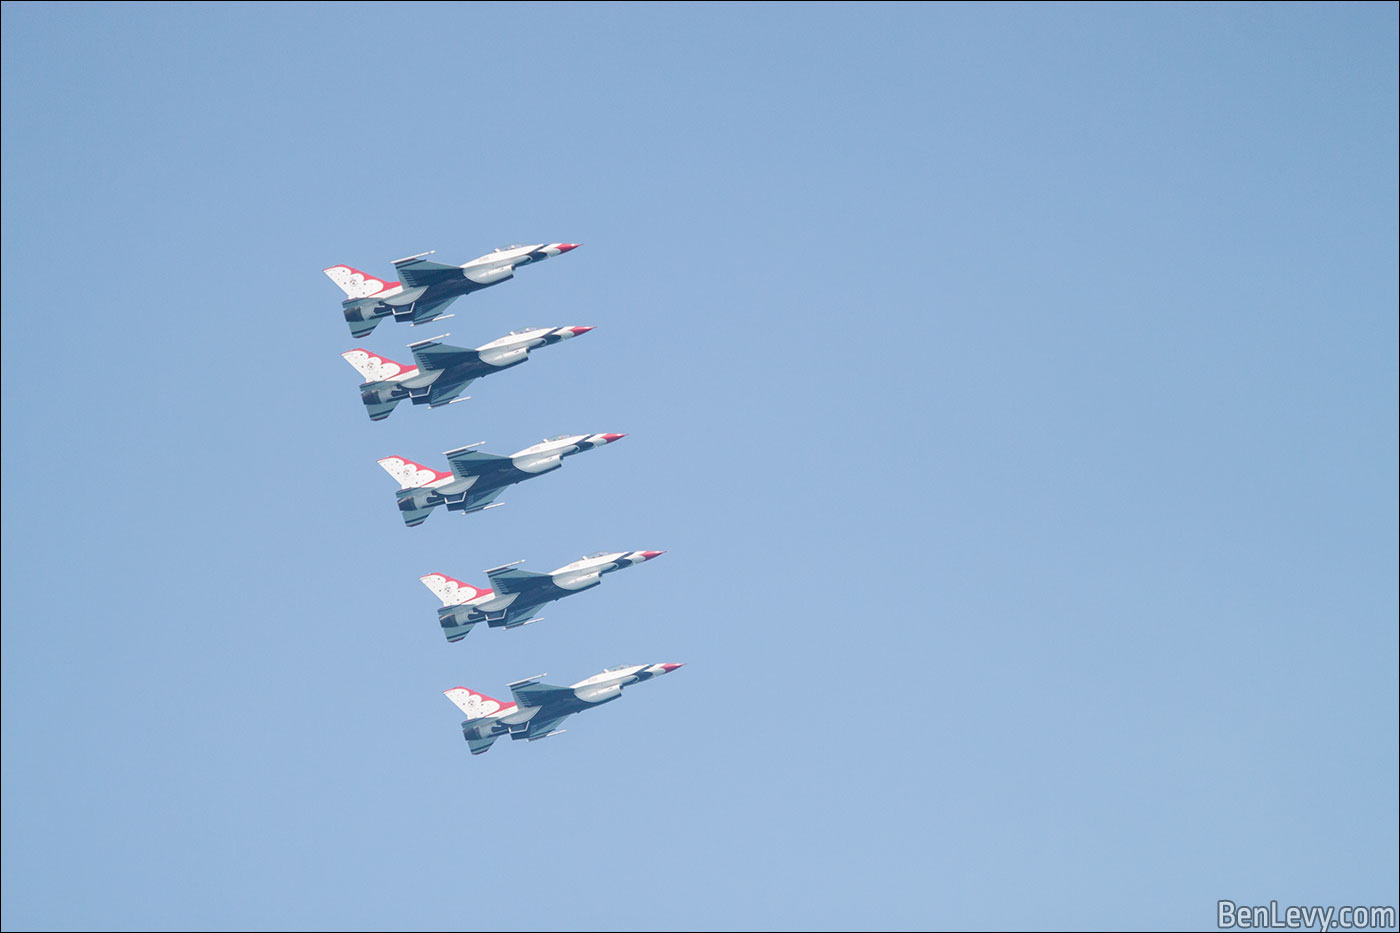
{"points": [[648, 555], [565, 247], [609, 438], [668, 668], [578, 330]]}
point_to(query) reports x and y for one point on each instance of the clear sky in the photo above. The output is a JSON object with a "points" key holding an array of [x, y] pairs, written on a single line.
{"points": [[1013, 390]]}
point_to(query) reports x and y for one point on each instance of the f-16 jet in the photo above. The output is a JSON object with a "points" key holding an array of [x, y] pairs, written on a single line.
{"points": [[477, 478], [540, 708], [443, 371], [425, 288], [518, 594]]}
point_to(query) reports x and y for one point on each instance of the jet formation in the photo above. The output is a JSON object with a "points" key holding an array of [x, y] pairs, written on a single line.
{"points": [[540, 708], [516, 595], [439, 376]]}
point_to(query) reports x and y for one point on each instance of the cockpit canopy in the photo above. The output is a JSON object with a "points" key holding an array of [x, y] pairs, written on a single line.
{"points": [[596, 554], [557, 437], [521, 330], [617, 667], [503, 249]]}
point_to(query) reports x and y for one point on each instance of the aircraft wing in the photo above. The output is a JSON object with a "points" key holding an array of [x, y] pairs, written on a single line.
{"points": [[430, 355], [544, 728], [445, 390], [467, 463], [425, 311], [514, 580], [530, 692], [418, 270], [479, 501]]}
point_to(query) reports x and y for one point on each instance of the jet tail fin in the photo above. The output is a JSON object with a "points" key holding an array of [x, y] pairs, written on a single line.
{"points": [[475, 705], [451, 591], [357, 284], [409, 474], [372, 366], [455, 617]]}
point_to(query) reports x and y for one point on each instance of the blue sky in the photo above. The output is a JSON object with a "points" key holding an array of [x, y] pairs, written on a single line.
{"points": [[1013, 389]]}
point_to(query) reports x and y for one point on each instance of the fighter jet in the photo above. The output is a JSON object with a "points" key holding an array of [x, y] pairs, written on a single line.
{"points": [[444, 371], [426, 288], [478, 478], [518, 594], [539, 708]]}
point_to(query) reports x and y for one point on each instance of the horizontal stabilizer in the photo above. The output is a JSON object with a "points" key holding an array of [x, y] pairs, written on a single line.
{"points": [[361, 329], [415, 517], [478, 744], [378, 411], [451, 629]]}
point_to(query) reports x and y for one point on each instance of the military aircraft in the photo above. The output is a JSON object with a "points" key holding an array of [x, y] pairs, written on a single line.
{"points": [[478, 478], [425, 288], [443, 371], [518, 594], [539, 708]]}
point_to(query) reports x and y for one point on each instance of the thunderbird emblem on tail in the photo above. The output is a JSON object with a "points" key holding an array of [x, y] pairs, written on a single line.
{"points": [[426, 288]]}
